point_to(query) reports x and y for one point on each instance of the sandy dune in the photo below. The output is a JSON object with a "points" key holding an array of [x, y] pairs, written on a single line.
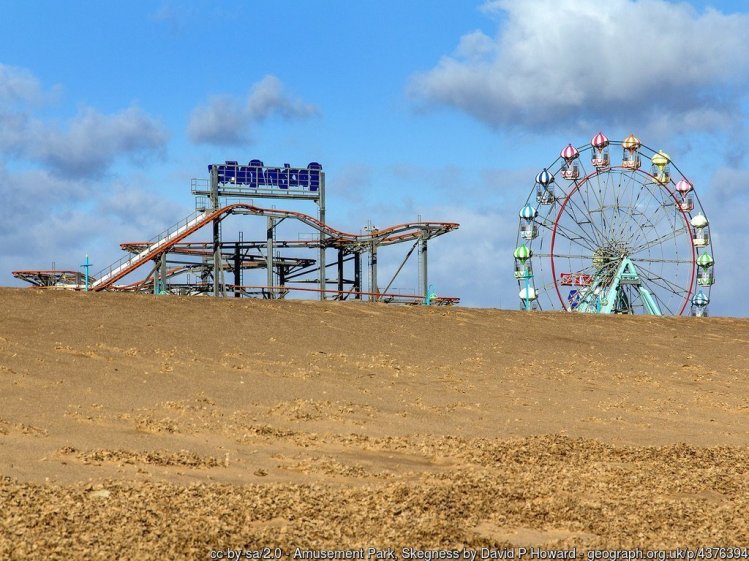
{"points": [[136, 427]]}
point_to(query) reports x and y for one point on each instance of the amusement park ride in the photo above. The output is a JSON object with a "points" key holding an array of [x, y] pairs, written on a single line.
{"points": [[604, 238], [614, 239], [180, 264]]}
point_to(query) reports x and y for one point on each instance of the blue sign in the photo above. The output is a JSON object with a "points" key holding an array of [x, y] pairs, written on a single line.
{"points": [[255, 175], [573, 298]]}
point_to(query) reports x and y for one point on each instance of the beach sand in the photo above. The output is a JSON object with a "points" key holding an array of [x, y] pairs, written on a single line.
{"points": [[143, 427]]}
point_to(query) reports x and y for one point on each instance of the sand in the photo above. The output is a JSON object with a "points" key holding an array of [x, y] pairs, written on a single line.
{"points": [[143, 427]]}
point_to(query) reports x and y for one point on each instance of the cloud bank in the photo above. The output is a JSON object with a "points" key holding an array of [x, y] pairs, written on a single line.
{"points": [[226, 120], [557, 62], [86, 146], [59, 197], [90, 143]]}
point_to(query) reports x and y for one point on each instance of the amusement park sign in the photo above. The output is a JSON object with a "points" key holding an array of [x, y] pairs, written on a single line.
{"points": [[575, 279], [255, 175]]}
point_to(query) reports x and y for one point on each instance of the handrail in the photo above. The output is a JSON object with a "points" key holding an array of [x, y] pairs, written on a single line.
{"points": [[172, 235], [121, 264]]}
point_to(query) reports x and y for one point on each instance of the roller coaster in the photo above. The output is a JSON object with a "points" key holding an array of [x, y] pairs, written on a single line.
{"points": [[179, 264]]}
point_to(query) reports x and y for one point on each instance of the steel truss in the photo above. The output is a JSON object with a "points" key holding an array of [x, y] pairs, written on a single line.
{"points": [[176, 264]]}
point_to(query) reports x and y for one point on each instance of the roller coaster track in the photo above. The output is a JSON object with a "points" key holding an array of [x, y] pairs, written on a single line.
{"points": [[332, 237]]}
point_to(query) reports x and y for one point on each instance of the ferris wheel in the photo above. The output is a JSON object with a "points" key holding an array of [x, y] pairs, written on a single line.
{"points": [[624, 237]]}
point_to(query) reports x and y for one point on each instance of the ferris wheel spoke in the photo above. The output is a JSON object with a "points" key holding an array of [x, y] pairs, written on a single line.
{"points": [[635, 226], [608, 270], [587, 213], [580, 271], [626, 233], [563, 256], [647, 210], [655, 294], [652, 260], [664, 283], [660, 213], [571, 209], [641, 223], [625, 212], [664, 238], [658, 299], [582, 241], [601, 197]]}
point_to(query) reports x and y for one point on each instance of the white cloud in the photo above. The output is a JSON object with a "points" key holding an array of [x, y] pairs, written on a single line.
{"points": [[726, 202], [221, 120], [227, 120], [481, 254], [66, 202], [173, 18], [45, 218], [556, 62], [31, 202], [86, 146], [18, 85], [351, 182], [267, 97], [89, 145]]}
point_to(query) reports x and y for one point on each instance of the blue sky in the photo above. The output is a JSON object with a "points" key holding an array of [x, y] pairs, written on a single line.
{"points": [[447, 111]]}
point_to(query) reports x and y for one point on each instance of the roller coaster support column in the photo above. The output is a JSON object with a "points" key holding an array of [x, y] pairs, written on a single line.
{"points": [[357, 274], [373, 271], [269, 255], [340, 274], [159, 275], [321, 202], [237, 271], [423, 265], [216, 235]]}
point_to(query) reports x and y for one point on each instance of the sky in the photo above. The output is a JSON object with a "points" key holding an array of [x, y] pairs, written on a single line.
{"points": [[415, 109]]}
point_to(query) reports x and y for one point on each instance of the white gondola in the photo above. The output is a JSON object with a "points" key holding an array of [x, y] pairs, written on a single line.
{"points": [[528, 298], [528, 293], [700, 237], [528, 231]]}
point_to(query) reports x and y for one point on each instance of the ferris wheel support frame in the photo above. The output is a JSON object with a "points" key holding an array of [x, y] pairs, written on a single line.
{"points": [[591, 301]]}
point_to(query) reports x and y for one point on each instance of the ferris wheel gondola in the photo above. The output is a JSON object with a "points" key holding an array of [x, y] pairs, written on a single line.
{"points": [[614, 237]]}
